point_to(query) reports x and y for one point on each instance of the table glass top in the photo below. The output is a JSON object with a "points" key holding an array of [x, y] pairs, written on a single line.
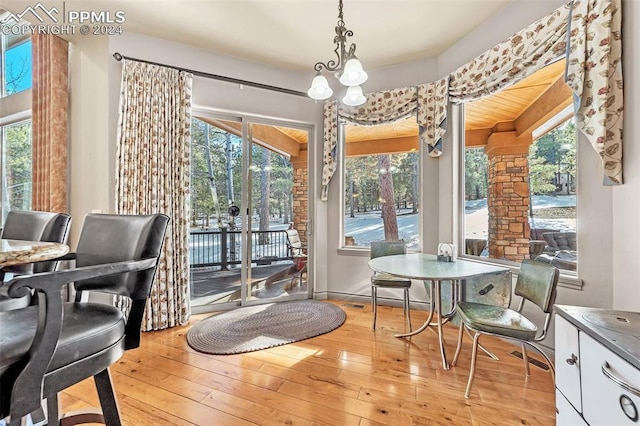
{"points": [[421, 266]]}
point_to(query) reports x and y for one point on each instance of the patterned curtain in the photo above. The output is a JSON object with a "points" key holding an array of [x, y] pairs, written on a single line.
{"points": [[518, 57], [50, 104], [152, 176], [594, 74], [329, 156], [432, 114], [594, 70]]}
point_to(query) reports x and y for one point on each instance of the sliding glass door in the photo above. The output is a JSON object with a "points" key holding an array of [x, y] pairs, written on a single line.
{"points": [[249, 202]]}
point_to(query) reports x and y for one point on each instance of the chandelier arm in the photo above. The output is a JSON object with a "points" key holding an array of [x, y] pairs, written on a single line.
{"points": [[319, 88]]}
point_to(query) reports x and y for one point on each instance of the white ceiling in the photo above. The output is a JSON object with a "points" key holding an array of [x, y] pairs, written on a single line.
{"points": [[295, 34]]}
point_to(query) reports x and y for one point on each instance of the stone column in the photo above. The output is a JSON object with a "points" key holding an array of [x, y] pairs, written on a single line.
{"points": [[300, 194], [508, 200]]}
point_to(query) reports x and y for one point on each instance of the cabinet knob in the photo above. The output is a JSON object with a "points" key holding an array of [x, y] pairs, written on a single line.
{"points": [[572, 360]]}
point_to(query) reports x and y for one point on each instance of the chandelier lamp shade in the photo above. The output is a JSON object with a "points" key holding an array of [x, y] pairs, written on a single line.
{"points": [[347, 68]]}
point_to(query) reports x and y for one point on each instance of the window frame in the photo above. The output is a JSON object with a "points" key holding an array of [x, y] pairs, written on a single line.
{"points": [[14, 108], [342, 248], [568, 279]]}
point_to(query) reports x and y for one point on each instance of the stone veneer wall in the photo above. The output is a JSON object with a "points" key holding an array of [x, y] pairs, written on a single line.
{"points": [[508, 205], [300, 202]]}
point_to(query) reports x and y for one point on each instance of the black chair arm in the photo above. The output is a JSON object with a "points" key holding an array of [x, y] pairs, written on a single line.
{"points": [[52, 282], [27, 393]]}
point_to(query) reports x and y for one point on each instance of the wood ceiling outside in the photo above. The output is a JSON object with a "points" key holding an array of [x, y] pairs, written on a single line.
{"points": [[402, 136], [510, 103]]}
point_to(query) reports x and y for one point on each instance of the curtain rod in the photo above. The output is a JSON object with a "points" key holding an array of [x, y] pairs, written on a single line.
{"points": [[120, 57]]}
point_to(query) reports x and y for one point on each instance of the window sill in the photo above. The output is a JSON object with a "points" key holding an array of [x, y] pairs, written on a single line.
{"points": [[567, 279], [354, 251]]}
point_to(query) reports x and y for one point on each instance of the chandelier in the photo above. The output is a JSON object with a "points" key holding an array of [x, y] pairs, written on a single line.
{"points": [[347, 69]]}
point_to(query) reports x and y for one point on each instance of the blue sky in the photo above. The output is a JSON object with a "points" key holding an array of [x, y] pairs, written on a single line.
{"points": [[16, 59]]}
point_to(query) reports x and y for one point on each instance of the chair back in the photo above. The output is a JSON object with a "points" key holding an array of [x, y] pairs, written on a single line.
{"points": [[537, 283], [387, 248], [107, 238], [36, 226], [295, 243]]}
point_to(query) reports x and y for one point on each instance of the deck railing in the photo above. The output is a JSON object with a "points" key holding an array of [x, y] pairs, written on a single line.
{"points": [[223, 247]]}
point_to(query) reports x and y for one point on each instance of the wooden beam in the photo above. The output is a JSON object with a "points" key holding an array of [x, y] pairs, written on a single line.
{"points": [[382, 146], [302, 160], [266, 136], [504, 143], [476, 137], [550, 103]]}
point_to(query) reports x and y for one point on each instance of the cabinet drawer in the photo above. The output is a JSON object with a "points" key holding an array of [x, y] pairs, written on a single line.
{"points": [[606, 402], [568, 361], [566, 415]]}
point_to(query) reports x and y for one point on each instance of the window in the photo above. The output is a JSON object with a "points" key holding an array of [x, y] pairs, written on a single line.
{"points": [[519, 174], [16, 61], [15, 121], [16, 167], [381, 184]]}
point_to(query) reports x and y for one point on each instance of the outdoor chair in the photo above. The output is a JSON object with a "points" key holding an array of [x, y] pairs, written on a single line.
{"points": [[561, 250], [536, 283], [298, 253], [116, 254], [557, 241], [389, 248], [31, 226]]}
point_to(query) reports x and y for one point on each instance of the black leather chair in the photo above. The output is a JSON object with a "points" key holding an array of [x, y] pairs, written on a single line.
{"points": [[116, 254], [31, 226], [35, 226]]}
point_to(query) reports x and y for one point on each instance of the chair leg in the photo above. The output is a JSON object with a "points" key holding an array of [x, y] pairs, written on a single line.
{"points": [[407, 308], [374, 303], [459, 346], [544, 355], [472, 371], [107, 397], [525, 358], [53, 410]]}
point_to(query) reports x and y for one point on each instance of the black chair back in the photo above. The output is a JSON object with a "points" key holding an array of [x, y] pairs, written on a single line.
{"points": [[35, 226], [107, 238]]}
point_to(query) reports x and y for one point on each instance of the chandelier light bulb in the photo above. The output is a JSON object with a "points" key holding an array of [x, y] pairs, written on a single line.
{"points": [[353, 74], [354, 96], [320, 89]]}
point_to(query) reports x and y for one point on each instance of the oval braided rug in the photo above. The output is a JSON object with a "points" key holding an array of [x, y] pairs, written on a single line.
{"points": [[264, 326]]}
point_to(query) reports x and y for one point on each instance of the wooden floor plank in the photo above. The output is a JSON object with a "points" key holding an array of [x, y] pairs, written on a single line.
{"points": [[351, 376]]}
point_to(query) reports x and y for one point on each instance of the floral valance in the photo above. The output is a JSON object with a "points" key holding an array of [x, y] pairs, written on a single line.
{"points": [[594, 70], [432, 114], [586, 32], [519, 56]]}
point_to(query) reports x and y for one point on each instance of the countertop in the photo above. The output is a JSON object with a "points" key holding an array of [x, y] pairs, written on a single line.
{"points": [[619, 331]]}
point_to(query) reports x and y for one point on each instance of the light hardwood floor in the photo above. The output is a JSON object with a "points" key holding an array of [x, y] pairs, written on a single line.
{"points": [[350, 376]]}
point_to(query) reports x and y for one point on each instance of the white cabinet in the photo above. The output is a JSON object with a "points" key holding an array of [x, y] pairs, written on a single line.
{"points": [[609, 382], [595, 385], [568, 362], [565, 413]]}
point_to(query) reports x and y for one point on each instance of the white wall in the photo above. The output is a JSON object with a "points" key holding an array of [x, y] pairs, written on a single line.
{"points": [[89, 160], [626, 198]]}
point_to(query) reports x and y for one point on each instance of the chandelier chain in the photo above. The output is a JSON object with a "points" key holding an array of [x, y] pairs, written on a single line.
{"points": [[340, 40]]}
